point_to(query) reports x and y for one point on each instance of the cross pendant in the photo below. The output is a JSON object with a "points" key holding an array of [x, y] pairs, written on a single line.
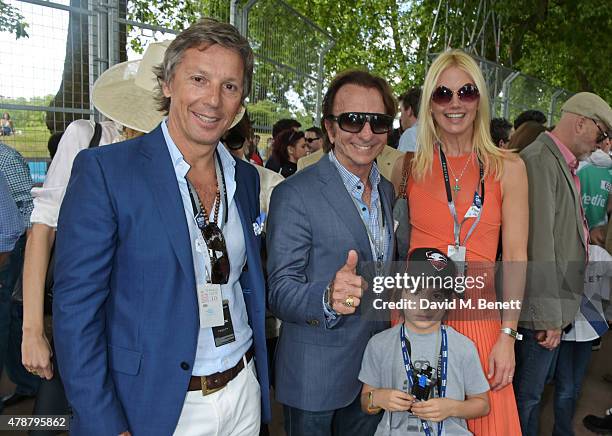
{"points": [[456, 188]]}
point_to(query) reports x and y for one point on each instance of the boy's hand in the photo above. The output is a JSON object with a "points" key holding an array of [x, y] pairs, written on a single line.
{"points": [[436, 409], [393, 400]]}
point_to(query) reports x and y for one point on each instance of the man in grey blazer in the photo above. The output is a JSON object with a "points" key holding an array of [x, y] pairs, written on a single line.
{"points": [[324, 222], [558, 253]]}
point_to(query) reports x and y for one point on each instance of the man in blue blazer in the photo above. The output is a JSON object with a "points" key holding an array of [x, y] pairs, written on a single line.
{"points": [[159, 299], [323, 221]]}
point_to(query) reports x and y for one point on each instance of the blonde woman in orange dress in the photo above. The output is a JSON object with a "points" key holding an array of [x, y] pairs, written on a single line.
{"points": [[457, 164]]}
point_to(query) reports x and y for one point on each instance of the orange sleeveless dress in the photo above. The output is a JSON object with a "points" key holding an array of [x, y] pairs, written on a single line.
{"points": [[432, 226]]}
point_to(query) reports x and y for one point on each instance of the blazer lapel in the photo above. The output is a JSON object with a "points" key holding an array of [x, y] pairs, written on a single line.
{"points": [[334, 191], [386, 200], [570, 180], [159, 170], [252, 250], [247, 228]]}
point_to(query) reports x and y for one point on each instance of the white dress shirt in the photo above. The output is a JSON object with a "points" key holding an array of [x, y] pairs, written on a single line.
{"points": [[210, 358]]}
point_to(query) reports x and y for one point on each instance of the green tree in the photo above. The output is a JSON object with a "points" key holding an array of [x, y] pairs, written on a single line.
{"points": [[563, 42], [12, 21]]}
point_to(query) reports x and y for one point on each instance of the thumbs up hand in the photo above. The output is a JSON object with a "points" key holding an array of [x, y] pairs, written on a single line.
{"points": [[347, 287]]}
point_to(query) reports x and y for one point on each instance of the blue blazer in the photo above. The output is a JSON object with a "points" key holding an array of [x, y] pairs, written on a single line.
{"points": [[125, 314], [312, 225]]}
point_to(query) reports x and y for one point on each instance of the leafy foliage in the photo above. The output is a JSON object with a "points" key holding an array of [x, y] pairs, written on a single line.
{"points": [[12, 21], [565, 43]]}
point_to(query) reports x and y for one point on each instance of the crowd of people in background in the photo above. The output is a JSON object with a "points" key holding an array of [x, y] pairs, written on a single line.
{"points": [[189, 277]]}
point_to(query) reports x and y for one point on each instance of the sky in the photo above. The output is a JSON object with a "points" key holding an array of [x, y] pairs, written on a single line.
{"points": [[32, 67]]}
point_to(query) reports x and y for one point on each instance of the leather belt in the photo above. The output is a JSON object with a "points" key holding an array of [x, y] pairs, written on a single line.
{"points": [[212, 383]]}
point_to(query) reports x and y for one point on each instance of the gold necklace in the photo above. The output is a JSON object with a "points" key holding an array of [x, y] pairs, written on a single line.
{"points": [[457, 188]]}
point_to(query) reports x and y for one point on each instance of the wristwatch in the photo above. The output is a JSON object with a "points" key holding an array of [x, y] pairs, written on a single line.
{"points": [[327, 298], [513, 333]]}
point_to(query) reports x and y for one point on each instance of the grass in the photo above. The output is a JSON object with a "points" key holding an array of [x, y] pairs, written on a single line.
{"points": [[31, 143]]}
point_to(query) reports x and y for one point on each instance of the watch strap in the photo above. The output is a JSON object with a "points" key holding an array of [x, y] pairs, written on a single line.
{"points": [[513, 333]]}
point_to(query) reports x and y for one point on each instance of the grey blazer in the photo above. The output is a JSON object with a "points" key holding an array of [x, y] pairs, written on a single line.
{"points": [[313, 223], [557, 245]]}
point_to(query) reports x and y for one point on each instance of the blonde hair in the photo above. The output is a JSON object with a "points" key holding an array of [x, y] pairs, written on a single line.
{"points": [[427, 131]]}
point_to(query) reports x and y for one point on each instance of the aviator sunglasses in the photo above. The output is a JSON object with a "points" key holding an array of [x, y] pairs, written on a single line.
{"points": [[353, 122], [468, 93], [219, 259]]}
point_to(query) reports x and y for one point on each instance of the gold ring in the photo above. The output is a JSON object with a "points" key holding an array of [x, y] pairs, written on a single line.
{"points": [[349, 302]]}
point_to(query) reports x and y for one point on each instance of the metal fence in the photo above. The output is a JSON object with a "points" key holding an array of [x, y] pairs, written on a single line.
{"points": [[512, 92], [45, 80], [36, 88], [289, 59]]}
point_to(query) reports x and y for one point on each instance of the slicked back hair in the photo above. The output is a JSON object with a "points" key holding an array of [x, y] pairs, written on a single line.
{"points": [[201, 35]]}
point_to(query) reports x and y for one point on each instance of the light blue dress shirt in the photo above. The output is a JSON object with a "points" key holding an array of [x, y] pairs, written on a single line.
{"points": [[370, 215], [408, 140], [210, 358]]}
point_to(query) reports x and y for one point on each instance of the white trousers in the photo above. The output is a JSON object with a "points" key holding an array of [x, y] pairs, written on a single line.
{"points": [[235, 410]]}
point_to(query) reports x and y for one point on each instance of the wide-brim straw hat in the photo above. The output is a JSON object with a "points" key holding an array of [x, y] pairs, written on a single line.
{"points": [[125, 92]]}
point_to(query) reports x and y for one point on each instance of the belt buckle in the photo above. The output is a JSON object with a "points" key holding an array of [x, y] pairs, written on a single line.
{"points": [[205, 389]]}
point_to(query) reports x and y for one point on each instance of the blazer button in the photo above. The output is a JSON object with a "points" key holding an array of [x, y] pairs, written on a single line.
{"points": [[314, 322], [185, 366]]}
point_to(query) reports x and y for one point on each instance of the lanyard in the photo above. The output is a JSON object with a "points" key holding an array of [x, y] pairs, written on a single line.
{"points": [[377, 245], [451, 203], [197, 207], [442, 367]]}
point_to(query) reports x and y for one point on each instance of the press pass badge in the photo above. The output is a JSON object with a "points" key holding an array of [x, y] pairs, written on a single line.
{"points": [[456, 253], [224, 334], [474, 209], [210, 304]]}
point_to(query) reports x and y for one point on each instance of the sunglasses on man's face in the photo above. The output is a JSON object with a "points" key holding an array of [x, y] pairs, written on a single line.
{"points": [[353, 122], [219, 259], [603, 135], [468, 93], [311, 140]]}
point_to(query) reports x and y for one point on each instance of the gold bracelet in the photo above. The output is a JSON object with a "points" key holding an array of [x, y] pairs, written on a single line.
{"points": [[371, 407]]}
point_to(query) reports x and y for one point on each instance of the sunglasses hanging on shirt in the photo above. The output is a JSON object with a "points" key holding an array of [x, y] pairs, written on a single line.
{"points": [[211, 232], [353, 122]]}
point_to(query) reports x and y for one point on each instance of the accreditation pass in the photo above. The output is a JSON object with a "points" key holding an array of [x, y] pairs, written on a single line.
{"points": [[38, 422]]}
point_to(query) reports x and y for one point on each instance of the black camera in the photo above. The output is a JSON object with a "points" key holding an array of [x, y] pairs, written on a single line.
{"points": [[422, 381]]}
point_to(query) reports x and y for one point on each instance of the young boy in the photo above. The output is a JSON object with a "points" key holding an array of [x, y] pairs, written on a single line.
{"points": [[442, 363]]}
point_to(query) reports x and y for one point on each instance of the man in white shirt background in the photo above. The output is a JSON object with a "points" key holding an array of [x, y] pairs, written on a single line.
{"points": [[409, 105]]}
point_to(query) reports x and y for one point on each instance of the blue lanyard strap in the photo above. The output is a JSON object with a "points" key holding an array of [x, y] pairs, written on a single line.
{"points": [[442, 367]]}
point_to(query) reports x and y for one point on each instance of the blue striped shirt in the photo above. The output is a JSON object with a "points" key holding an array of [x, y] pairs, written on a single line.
{"points": [[370, 214], [11, 223], [19, 180]]}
